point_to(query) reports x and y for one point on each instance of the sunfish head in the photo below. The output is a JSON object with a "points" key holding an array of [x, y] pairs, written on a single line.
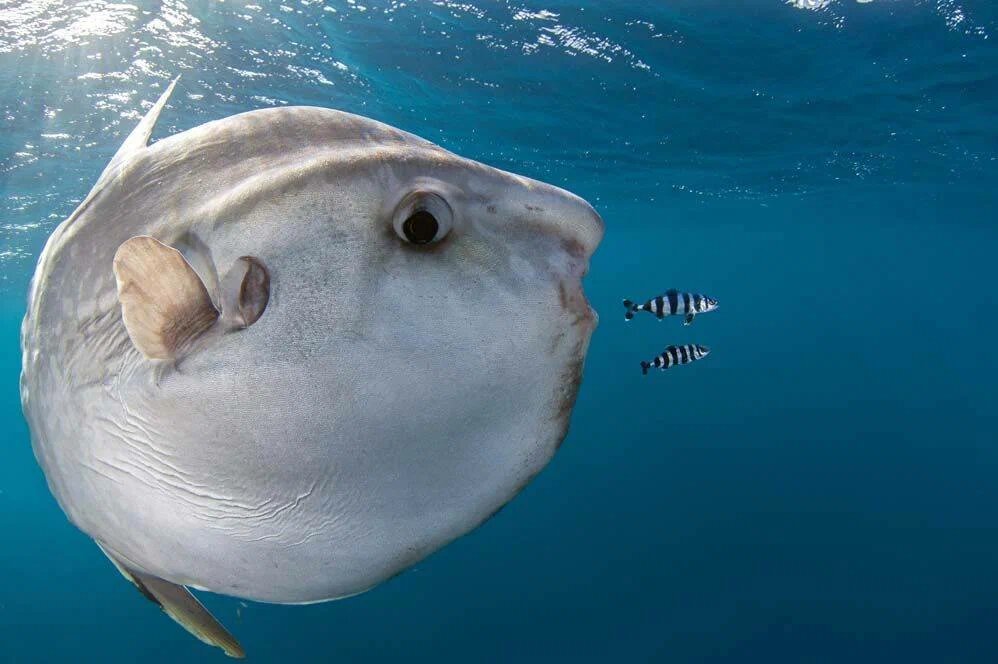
{"points": [[415, 365]]}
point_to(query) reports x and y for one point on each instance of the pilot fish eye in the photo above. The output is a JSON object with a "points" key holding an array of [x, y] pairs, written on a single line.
{"points": [[423, 217], [421, 227]]}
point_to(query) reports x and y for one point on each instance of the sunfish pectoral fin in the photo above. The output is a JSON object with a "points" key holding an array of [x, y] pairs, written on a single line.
{"points": [[164, 304], [183, 607], [139, 137], [689, 319]]}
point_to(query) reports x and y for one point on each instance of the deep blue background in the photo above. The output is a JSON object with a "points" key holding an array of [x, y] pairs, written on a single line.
{"points": [[822, 488]]}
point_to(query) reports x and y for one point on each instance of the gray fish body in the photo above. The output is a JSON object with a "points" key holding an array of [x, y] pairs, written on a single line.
{"points": [[390, 398]]}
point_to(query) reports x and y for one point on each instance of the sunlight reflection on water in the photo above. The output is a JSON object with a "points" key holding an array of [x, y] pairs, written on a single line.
{"points": [[682, 93]]}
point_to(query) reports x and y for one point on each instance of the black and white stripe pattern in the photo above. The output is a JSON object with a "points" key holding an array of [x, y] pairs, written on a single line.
{"points": [[674, 355], [672, 303]]}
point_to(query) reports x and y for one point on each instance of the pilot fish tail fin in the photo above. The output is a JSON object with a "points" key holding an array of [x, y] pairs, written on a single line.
{"points": [[645, 366], [631, 308], [178, 603]]}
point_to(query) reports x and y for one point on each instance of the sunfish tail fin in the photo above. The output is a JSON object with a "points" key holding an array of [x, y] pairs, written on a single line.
{"points": [[178, 603]]}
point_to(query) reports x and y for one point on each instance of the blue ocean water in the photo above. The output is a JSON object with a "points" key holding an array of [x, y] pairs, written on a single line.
{"points": [[822, 488]]}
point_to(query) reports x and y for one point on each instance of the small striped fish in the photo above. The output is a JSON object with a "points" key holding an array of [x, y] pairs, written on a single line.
{"points": [[672, 302], [674, 355]]}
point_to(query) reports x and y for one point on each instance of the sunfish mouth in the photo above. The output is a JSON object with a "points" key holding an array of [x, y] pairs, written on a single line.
{"points": [[580, 238], [573, 299], [578, 225]]}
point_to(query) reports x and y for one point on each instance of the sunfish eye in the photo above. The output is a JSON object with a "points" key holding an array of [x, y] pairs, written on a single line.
{"points": [[421, 227], [422, 218]]}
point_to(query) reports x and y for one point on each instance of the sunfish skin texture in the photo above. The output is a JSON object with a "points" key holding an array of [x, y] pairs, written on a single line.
{"points": [[390, 397]]}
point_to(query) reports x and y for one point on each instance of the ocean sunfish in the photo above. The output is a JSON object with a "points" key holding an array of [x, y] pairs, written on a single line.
{"points": [[288, 354]]}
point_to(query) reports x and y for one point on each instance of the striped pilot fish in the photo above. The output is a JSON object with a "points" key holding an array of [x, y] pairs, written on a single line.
{"points": [[672, 302], [674, 355]]}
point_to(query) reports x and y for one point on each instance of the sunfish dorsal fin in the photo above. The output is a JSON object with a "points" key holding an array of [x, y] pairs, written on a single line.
{"points": [[178, 603], [164, 304], [139, 138]]}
